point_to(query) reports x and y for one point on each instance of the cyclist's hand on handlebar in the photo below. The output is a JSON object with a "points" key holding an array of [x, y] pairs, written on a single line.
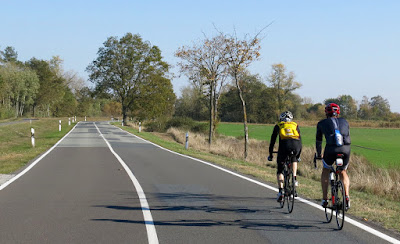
{"points": [[270, 157]]}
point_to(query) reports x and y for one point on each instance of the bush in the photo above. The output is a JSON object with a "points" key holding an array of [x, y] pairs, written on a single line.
{"points": [[200, 128], [181, 122], [6, 113], [155, 126]]}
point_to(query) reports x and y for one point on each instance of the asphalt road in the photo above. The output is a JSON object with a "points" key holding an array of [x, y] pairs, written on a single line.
{"points": [[80, 192]]}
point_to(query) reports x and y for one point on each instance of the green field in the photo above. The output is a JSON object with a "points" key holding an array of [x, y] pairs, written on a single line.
{"points": [[383, 144]]}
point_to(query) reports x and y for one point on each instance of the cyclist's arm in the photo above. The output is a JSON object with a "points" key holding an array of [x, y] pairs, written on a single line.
{"points": [[273, 139], [298, 130], [318, 140]]}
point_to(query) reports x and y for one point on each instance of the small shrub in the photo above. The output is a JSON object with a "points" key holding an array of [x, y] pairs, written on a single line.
{"points": [[181, 122], [200, 128], [155, 126]]}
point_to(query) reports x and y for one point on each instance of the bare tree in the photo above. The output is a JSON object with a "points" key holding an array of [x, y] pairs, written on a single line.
{"points": [[240, 53], [205, 64]]}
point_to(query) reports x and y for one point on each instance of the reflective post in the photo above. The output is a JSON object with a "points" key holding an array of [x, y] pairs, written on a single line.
{"points": [[187, 140], [33, 137]]}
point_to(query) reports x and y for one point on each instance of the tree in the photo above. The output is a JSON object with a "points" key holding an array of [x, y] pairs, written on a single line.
{"points": [[258, 99], [112, 108], [348, 106], [239, 55], [192, 103], [9, 55], [283, 84], [156, 99], [204, 65], [65, 106], [380, 107], [124, 66], [52, 88], [20, 87], [365, 112]]}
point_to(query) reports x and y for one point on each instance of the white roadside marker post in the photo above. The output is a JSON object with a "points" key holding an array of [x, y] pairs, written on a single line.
{"points": [[59, 125], [69, 121], [187, 140], [140, 127], [33, 137], [85, 118]]}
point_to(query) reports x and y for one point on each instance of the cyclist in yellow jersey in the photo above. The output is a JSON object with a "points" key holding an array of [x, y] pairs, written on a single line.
{"points": [[289, 140]]}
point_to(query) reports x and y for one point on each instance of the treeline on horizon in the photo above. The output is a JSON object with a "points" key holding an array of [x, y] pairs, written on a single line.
{"points": [[41, 88]]}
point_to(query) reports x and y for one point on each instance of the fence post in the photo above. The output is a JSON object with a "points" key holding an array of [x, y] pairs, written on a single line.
{"points": [[187, 140], [33, 137]]}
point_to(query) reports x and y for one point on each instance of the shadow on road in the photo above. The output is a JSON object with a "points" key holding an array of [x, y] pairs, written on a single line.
{"points": [[225, 211]]}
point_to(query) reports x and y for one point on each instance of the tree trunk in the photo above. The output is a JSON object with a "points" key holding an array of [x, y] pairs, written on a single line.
{"points": [[210, 136], [246, 131], [124, 110]]}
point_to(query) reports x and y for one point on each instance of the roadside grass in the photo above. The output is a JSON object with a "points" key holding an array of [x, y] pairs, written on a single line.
{"points": [[367, 206], [378, 146], [15, 141]]}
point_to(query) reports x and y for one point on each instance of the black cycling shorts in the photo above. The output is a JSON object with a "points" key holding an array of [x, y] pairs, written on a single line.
{"points": [[331, 152], [285, 147]]}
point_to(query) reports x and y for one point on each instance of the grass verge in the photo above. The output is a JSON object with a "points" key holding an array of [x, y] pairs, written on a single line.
{"points": [[15, 141], [366, 207]]}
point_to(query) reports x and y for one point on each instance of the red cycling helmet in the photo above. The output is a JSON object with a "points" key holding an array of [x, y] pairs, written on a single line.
{"points": [[332, 109]]}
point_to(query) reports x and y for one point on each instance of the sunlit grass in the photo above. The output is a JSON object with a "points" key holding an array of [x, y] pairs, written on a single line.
{"points": [[378, 146], [15, 141]]}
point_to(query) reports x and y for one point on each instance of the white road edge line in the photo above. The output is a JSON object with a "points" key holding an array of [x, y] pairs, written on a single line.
{"points": [[148, 219], [349, 220], [34, 163]]}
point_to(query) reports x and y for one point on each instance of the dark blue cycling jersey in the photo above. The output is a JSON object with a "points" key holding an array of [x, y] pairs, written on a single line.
{"points": [[326, 128]]}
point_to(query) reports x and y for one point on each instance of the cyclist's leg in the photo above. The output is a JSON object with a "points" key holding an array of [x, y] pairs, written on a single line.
{"points": [[325, 183], [344, 177], [279, 175], [328, 159], [297, 147]]}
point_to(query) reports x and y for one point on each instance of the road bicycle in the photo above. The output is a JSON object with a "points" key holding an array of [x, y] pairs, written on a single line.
{"points": [[337, 202], [289, 187]]}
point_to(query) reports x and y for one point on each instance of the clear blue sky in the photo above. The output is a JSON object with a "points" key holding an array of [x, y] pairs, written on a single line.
{"points": [[334, 47]]}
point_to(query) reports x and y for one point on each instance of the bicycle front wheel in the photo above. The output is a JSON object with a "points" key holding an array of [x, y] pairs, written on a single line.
{"points": [[290, 188], [340, 205]]}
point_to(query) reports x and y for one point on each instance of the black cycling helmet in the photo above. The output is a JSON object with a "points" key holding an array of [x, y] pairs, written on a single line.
{"points": [[286, 116]]}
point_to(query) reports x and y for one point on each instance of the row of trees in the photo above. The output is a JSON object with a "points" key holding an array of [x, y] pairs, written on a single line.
{"points": [[262, 104], [41, 88], [131, 78]]}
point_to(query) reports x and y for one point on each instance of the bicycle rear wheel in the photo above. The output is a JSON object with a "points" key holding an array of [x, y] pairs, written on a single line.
{"points": [[290, 188], [340, 205]]}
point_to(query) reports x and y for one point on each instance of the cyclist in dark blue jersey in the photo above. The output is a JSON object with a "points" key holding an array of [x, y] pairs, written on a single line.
{"points": [[337, 135]]}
